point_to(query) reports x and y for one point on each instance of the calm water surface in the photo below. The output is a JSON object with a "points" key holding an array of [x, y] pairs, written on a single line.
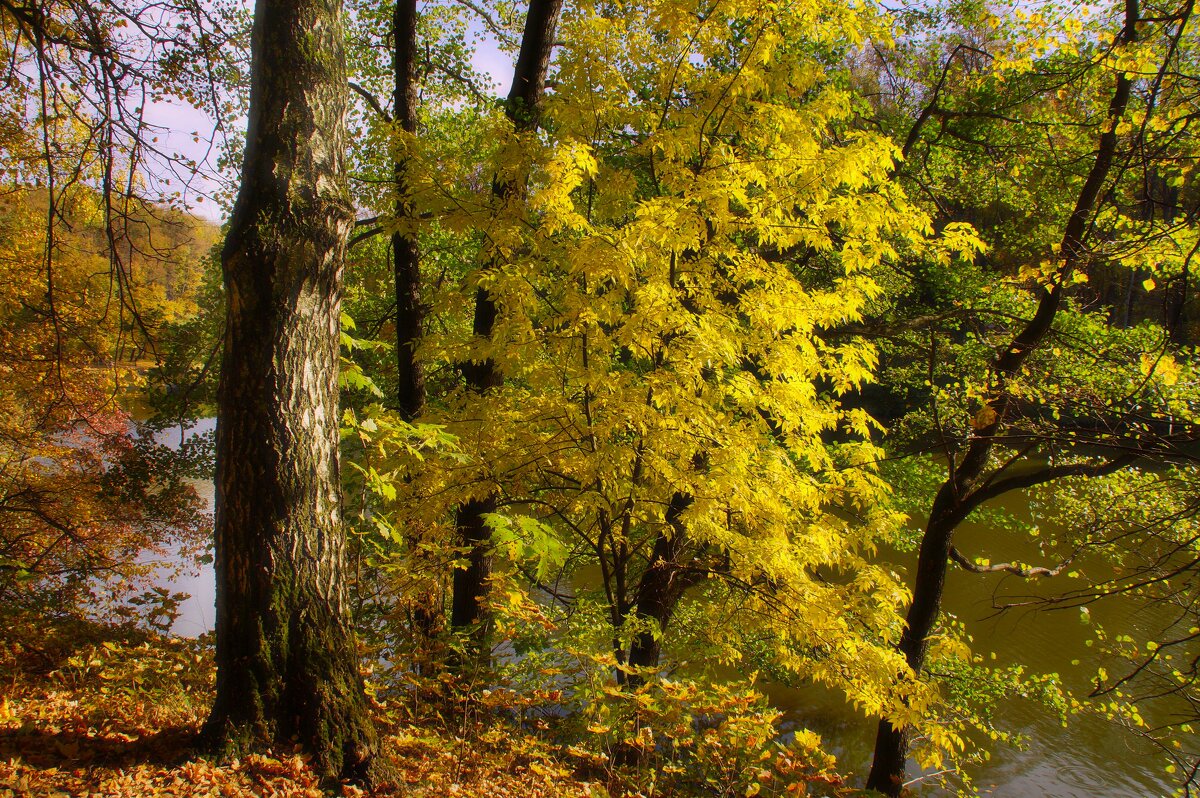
{"points": [[1090, 758], [198, 612]]}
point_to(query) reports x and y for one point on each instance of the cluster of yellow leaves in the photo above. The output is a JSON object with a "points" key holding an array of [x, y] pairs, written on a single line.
{"points": [[718, 738], [699, 223]]}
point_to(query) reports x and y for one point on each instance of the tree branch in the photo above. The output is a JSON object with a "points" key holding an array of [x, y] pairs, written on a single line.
{"points": [[372, 101], [992, 489], [1023, 571]]}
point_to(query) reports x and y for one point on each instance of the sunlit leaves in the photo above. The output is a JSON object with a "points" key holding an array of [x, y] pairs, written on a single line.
{"points": [[701, 217]]}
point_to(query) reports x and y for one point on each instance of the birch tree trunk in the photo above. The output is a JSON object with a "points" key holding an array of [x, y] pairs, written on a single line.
{"points": [[286, 661]]}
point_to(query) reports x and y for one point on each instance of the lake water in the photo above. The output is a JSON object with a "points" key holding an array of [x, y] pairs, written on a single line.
{"points": [[1091, 758], [197, 613]]}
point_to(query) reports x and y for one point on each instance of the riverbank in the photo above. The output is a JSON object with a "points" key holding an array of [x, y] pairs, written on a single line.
{"points": [[1087, 756]]}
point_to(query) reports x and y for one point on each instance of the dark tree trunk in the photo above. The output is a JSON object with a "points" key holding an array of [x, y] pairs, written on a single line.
{"points": [[522, 106], [468, 612], [960, 493], [410, 312], [1127, 303], [661, 587], [891, 743], [287, 668]]}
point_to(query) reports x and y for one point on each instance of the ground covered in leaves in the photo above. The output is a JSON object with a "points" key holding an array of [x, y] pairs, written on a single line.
{"points": [[88, 710], [94, 710]]}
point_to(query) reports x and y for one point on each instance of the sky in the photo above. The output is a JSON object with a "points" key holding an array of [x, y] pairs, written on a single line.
{"points": [[187, 133]]}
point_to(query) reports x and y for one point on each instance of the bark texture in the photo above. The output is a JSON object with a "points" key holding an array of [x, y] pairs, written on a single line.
{"points": [[964, 488], [286, 661]]}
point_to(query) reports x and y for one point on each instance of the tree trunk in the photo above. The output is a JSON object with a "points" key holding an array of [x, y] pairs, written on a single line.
{"points": [[529, 80], [661, 587], [410, 312], [286, 662], [958, 495], [891, 743], [468, 612]]}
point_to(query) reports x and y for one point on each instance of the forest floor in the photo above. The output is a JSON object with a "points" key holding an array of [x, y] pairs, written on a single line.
{"points": [[88, 710]]}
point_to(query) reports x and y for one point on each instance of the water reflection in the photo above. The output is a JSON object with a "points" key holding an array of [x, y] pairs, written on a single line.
{"points": [[197, 613], [1091, 756]]}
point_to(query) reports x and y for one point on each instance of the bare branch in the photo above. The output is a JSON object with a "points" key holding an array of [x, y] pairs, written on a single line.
{"points": [[372, 101], [1023, 571]]}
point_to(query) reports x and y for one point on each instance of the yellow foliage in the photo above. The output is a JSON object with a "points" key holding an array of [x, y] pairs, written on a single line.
{"points": [[700, 226]]}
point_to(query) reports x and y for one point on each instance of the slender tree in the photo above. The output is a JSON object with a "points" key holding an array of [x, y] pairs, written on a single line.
{"points": [[286, 662], [406, 253], [970, 482], [522, 108]]}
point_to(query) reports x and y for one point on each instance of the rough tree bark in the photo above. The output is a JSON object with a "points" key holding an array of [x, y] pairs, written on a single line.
{"points": [[286, 661], [964, 490], [522, 107]]}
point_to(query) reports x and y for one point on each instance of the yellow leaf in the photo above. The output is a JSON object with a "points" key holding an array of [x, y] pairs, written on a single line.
{"points": [[984, 418]]}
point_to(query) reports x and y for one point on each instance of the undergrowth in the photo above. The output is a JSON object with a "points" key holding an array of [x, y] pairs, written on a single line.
{"points": [[94, 710]]}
